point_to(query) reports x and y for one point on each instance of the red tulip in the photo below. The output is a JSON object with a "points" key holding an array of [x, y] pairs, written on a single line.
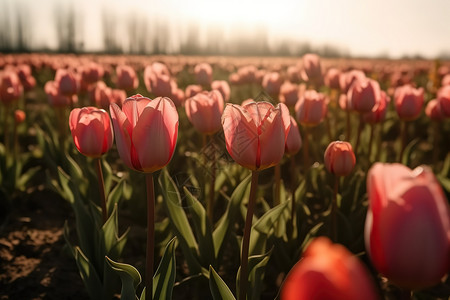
{"points": [[339, 158], [91, 130], [293, 140], [126, 78], [146, 132], [363, 95], [408, 102], [328, 271], [255, 134], [19, 116], [407, 229], [204, 110], [223, 87], [10, 87], [311, 108], [203, 73]]}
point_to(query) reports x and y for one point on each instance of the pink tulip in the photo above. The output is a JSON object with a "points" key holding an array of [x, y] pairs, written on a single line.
{"points": [[55, 98], [91, 130], [332, 78], [328, 271], [203, 73], [363, 95], [289, 94], [19, 116], [339, 158], [157, 80], [10, 87], [312, 71], [407, 229], [102, 95], [445, 80], [293, 74], [223, 87], [146, 132], [346, 79], [271, 83], [66, 82], [443, 96], [255, 134], [192, 90], [25, 76], [91, 72], [378, 112], [118, 96], [293, 140], [126, 78], [408, 102], [204, 111], [311, 108], [433, 110]]}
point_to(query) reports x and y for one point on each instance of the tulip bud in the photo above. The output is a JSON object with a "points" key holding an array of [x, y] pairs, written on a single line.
{"points": [[433, 110], [312, 71], [407, 231], [363, 95], [328, 271], [289, 94], [204, 111], [443, 96], [223, 87], [91, 130], [332, 78], [311, 108], [19, 116], [203, 73], [126, 78], [293, 140], [271, 83], [339, 158]]}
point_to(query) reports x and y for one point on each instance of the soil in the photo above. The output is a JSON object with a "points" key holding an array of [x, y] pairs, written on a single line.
{"points": [[33, 260]]}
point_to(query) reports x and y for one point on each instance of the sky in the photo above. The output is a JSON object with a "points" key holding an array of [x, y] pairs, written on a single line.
{"points": [[363, 28]]}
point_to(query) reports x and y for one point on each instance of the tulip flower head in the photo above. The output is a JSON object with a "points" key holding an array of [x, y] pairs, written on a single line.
{"points": [[126, 78], [311, 108], [433, 110], [339, 158], [328, 271], [363, 95], [19, 116], [203, 73], [378, 112], [408, 102], [293, 140], [204, 111], [223, 87], [443, 96], [407, 231], [146, 132], [10, 87], [289, 93], [255, 133], [91, 130]]}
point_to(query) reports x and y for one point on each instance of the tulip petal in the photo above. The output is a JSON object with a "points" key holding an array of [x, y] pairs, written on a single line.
{"points": [[122, 131]]}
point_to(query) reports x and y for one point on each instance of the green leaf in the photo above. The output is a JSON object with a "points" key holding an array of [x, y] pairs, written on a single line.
{"points": [[164, 278], [129, 276], [202, 228], [406, 158], [179, 221], [267, 221], [225, 223], [219, 289], [115, 195], [23, 179], [88, 274]]}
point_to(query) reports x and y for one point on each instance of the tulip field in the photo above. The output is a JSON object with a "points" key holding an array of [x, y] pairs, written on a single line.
{"points": [[184, 177]]}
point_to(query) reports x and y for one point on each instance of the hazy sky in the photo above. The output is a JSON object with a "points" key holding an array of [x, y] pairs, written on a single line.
{"points": [[394, 27]]}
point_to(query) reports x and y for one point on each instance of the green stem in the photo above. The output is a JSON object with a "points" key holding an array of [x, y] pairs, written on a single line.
{"points": [[358, 136], [372, 129], [101, 186], [306, 148], [404, 139], [246, 238], [150, 236], [293, 188], [210, 205], [6, 127], [276, 199], [349, 127], [334, 209]]}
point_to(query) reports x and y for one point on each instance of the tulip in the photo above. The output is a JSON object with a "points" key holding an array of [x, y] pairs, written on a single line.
{"points": [[408, 102], [25, 76], [445, 80], [346, 79], [203, 73], [377, 115], [363, 95], [91, 130], [271, 83], [204, 111], [443, 96], [157, 82], [10, 87], [407, 231], [433, 110], [126, 78], [293, 74], [328, 271], [289, 94], [92, 72], [332, 78], [192, 90], [66, 82], [223, 87], [146, 133], [312, 71], [19, 116], [311, 108], [255, 135]]}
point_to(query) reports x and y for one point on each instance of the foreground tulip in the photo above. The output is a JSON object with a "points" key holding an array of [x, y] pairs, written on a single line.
{"points": [[146, 134], [204, 110], [93, 136], [328, 271], [255, 136], [407, 231]]}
